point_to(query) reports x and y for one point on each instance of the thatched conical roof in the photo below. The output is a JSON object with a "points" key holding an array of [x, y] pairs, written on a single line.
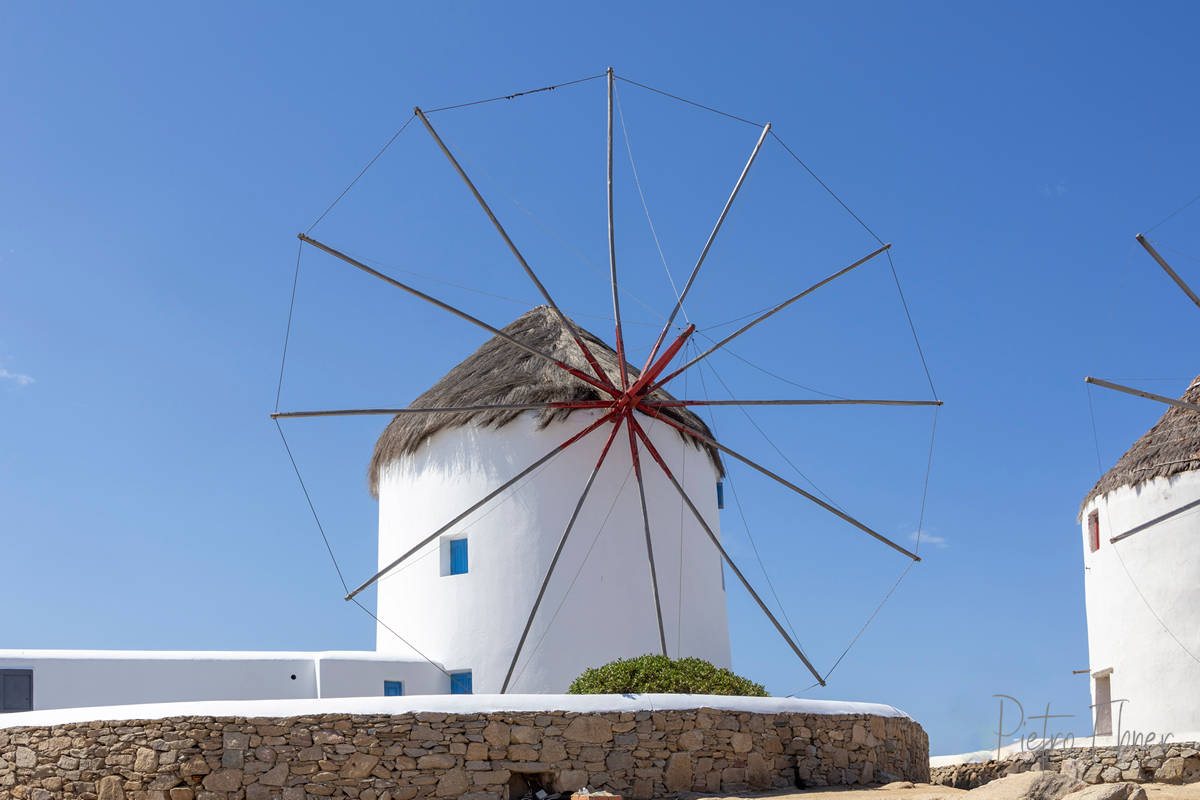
{"points": [[499, 372], [1170, 447]]}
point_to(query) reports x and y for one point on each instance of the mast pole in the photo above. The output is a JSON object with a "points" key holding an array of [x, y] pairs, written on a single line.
{"points": [[612, 241]]}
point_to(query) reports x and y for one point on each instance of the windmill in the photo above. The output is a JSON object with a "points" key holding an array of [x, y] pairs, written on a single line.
{"points": [[1140, 566], [621, 402]]}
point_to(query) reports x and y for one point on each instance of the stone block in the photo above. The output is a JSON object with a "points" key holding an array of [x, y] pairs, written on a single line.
{"points": [[497, 734], [589, 729], [360, 765], [223, 780], [453, 784], [678, 775], [275, 776], [524, 734], [111, 787]]}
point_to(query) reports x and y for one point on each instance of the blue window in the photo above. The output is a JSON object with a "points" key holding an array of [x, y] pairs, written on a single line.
{"points": [[393, 688], [720, 494], [458, 558], [460, 682]]}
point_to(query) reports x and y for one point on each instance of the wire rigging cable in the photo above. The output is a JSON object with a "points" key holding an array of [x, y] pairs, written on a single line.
{"points": [[333, 558], [642, 195], [287, 333], [515, 95], [690, 102], [745, 523], [362, 172], [1172, 214]]}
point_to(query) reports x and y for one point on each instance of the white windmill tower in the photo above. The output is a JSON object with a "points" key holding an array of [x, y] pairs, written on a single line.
{"points": [[530, 503], [1141, 550]]}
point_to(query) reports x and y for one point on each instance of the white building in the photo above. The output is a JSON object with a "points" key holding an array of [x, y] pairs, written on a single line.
{"points": [[599, 604], [1143, 590], [463, 600]]}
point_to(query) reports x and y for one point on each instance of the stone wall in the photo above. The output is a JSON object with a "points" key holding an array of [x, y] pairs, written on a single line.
{"points": [[474, 756], [1171, 763]]}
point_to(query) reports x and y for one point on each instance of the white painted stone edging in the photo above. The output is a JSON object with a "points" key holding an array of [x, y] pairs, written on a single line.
{"points": [[446, 704]]}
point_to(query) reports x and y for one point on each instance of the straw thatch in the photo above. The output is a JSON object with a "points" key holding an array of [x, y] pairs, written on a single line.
{"points": [[1170, 447], [499, 372]]}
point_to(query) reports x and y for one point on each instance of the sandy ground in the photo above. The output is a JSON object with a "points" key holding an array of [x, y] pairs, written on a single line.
{"points": [[927, 791]]}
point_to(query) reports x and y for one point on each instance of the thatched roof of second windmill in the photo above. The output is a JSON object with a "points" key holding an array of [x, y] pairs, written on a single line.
{"points": [[501, 373], [1172, 446]]}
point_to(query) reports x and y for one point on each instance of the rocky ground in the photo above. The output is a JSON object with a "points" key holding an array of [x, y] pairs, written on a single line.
{"points": [[1026, 786]]}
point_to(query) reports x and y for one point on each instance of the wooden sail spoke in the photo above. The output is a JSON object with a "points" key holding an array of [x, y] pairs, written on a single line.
{"points": [[357, 412], [737, 187], [605, 387], [562, 542], [772, 312], [712, 537], [487, 499], [1162, 262], [830, 508], [831, 402], [570, 326]]}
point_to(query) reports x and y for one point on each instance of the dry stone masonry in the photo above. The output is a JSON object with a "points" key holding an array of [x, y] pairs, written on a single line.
{"points": [[1170, 763], [639, 754]]}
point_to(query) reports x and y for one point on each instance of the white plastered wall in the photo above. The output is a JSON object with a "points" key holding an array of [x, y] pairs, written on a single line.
{"points": [[1128, 605], [82, 678], [599, 604]]}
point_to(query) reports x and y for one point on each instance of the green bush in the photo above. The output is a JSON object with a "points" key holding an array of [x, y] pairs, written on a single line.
{"points": [[651, 673]]}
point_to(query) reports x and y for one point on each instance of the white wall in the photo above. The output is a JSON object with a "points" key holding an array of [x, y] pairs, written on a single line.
{"points": [[1149, 668], [362, 675], [473, 621], [80, 678]]}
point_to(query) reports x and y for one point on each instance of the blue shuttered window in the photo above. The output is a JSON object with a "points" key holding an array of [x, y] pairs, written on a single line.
{"points": [[720, 494], [458, 556], [460, 682], [393, 688]]}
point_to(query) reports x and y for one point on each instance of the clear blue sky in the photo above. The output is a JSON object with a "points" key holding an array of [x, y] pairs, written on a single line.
{"points": [[157, 161]]}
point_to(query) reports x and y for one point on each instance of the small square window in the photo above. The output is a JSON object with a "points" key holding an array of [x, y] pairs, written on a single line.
{"points": [[393, 688], [1094, 531], [460, 682], [458, 556]]}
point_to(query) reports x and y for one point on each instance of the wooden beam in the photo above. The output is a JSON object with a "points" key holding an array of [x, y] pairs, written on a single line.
{"points": [[562, 542], [1139, 393], [1167, 267], [570, 326], [488, 498], [1154, 521], [356, 412], [605, 387], [708, 244], [712, 537], [773, 311], [677, 403]]}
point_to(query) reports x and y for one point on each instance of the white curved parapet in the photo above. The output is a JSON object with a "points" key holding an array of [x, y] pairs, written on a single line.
{"points": [[445, 704]]}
